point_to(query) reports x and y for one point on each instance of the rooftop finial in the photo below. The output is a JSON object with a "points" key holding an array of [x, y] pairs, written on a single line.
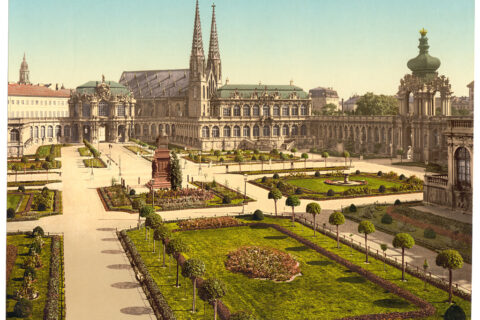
{"points": [[103, 78], [423, 32], [197, 45]]}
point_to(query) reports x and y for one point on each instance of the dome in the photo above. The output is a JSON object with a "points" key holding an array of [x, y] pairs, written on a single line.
{"points": [[423, 64]]}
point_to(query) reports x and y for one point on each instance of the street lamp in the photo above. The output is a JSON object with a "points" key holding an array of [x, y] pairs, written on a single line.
{"points": [[245, 177]]}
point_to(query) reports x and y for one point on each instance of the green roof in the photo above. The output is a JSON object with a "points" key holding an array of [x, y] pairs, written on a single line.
{"points": [[246, 90], [423, 65], [115, 88]]}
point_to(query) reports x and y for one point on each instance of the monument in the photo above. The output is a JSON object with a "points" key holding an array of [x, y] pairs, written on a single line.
{"points": [[161, 164]]}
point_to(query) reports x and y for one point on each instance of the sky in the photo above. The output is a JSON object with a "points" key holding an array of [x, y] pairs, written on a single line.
{"points": [[353, 46]]}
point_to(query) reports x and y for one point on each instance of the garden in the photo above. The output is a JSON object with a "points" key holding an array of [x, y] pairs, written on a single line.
{"points": [[84, 152], [330, 185], [294, 170], [96, 161], [34, 162], [35, 276], [144, 153], [32, 204], [309, 283], [239, 156]]}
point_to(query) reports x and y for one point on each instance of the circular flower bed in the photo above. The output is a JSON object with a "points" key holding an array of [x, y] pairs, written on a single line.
{"points": [[350, 183], [261, 262]]}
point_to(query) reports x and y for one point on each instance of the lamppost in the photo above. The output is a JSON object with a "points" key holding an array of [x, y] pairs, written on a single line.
{"points": [[245, 177], [153, 193]]}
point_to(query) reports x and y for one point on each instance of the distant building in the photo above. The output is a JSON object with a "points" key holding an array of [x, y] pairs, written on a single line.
{"points": [[351, 104], [322, 96], [470, 95]]}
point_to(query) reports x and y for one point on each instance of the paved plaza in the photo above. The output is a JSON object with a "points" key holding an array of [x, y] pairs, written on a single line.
{"points": [[99, 281]]}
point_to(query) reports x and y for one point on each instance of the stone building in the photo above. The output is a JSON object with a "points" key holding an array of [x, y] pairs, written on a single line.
{"points": [[350, 104], [322, 96]]}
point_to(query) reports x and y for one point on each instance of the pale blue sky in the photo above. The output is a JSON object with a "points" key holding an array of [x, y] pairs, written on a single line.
{"points": [[354, 46]]}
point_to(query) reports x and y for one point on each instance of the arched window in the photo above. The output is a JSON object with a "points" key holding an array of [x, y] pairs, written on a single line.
{"points": [[266, 131], [205, 132], [227, 111], [66, 131], [173, 130], [167, 129], [137, 129], [294, 130], [303, 130], [236, 111], [215, 132], [58, 131], [103, 109], [50, 132], [145, 130], [266, 111], [153, 130], [256, 110], [42, 132], [31, 132], [285, 130], [121, 110], [276, 110], [160, 128], [256, 131], [246, 131], [246, 110], [86, 110], [295, 111], [236, 131], [303, 110], [35, 132], [285, 111], [462, 166], [226, 131], [276, 131], [14, 135]]}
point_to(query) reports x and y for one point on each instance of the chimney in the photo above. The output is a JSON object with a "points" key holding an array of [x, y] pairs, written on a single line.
{"points": [[227, 81], [291, 82], [56, 86]]}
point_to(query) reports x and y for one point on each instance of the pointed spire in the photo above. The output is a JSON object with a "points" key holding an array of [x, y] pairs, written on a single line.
{"points": [[197, 43], [213, 51]]}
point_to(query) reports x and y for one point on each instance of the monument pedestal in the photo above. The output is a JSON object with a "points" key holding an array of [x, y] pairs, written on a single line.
{"points": [[160, 168]]}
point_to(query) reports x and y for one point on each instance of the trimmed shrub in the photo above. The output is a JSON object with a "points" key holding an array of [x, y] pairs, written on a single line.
{"points": [[207, 187], [317, 174], [258, 215], [276, 176], [387, 219], [21, 189], [226, 200], [10, 213], [49, 158], [254, 158], [23, 308], [229, 152], [37, 158], [138, 203], [132, 192], [454, 312], [145, 211], [330, 193], [357, 172], [402, 177], [41, 207], [32, 167], [264, 179], [353, 208], [214, 184], [382, 189], [280, 185], [38, 231], [397, 202], [298, 191], [256, 151], [429, 233], [29, 271], [153, 221], [379, 173]]}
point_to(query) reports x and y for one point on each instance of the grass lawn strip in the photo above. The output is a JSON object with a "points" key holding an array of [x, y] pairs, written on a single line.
{"points": [[84, 152], [308, 169], [14, 200], [94, 162], [34, 183], [321, 276], [137, 150]]}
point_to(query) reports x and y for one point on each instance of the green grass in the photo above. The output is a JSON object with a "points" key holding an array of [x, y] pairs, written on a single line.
{"points": [[136, 149], [32, 214], [84, 152], [95, 162], [322, 288], [32, 165], [16, 278], [43, 151], [31, 183], [318, 185], [13, 200], [308, 169]]}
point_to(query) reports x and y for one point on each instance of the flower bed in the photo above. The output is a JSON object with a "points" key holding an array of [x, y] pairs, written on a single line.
{"points": [[34, 183], [95, 163], [309, 169], [208, 223], [53, 307], [32, 198], [11, 256], [264, 263]]}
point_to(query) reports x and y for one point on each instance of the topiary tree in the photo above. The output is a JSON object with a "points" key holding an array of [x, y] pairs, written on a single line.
{"points": [[454, 312], [304, 156], [138, 203], [242, 315], [314, 208], [292, 201], [239, 159], [10, 213], [379, 173], [330, 193], [352, 208], [144, 212], [400, 152], [384, 248], [193, 268], [162, 233], [132, 192], [346, 155], [264, 179], [175, 172], [276, 176], [317, 174], [16, 168], [217, 153], [46, 166], [294, 149], [298, 191], [23, 308], [449, 259], [382, 189], [325, 155], [366, 227], [404, 241], [38, 231], [425, 268], [337, 219], [174, 248], [397, 202], [258, 215], [212, 290], [387, 219], [276, 195], [21, 189], [226, 200], [429, 233], [152, 221]]}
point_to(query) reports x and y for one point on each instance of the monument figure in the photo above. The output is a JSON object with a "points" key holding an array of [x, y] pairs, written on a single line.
{"points": [[161, 164]]}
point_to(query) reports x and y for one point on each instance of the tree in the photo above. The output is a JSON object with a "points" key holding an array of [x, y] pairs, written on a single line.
{"points": [[454, 312], [400, 152], [372, 104], [314, 208], [305, 157], [329, 109], [404, 241], [384, 248], [162, 233], [16, 168], [292, 201], [174, 248], [294, 150], [193, 268], [239, 159], [449, 259], [325, 155], [425, 268], [263, 158], [152, 221], [346, 155], [144, 211], [212, 290], [25, 162], [175, 172], [366, 227], [276, 195], [337, 219], [217, 153], [47, 166]]}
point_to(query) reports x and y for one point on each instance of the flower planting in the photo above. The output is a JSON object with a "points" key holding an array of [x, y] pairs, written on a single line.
{"points": [[208, 223]]}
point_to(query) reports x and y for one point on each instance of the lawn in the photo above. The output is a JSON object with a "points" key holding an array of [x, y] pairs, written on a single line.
{"points": [[13, 200], [319, 185], [308, 169], [54, 205], [51, 149], [95, 163], [31, 183], [16, 278], [84, 152], [33, 165], [321, 289], [138, 150], [248, 156]]}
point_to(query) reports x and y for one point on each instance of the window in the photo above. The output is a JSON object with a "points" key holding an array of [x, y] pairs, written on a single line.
{"points": [[145, 130], [294, 130], [35, 132], [295, 111], [42, 132], [226, 131], [246, 131], [236, 111], [66, 131], [246, 110], [86, 110], [303, 130], [36, 101], [121, 110], [31, 132], [285, 111], [285, 130], [303, 110], [58, 131], [14, 135], [256, 110], [256, 131], [236, 131], [462, 166], [103, 109], [227, 111], [54, 103], [50, 132], [205, 132], [276, 110], [266, 131], [137, 129], [266, 111], [215, 132], [276, 131], [167, 129]]}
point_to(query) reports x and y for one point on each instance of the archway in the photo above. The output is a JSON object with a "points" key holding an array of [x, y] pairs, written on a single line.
{"points": [[121, 133]]}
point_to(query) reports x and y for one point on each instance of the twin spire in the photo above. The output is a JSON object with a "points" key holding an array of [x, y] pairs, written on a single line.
{"points": [[197, 43]]}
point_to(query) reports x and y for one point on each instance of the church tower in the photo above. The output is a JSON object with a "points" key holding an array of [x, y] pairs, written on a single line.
{"points": [[197, 95], [214, 64], [24, 73]]}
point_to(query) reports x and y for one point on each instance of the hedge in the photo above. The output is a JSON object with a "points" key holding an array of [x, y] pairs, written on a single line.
{"points": [[51, 311]]}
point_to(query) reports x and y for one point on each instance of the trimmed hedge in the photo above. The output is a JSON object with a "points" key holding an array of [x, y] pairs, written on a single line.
{"points": [[51, 311]]}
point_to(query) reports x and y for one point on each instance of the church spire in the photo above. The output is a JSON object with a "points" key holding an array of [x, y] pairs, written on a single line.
{"points": [[214, 63], [24, 73], [197, 43]]}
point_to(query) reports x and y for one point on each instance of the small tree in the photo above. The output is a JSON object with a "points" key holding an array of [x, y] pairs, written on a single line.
{"points": [[47, 166], [276, 195], [16, 168], [366, 227], [193, 268], [314, 208], [449, 259], [292, 201], [239, 159], [175, 172], [454, 312], [400, 152], [212, 290], [263, 159], [144, 212], [217, 153], [294, 150], [384, 248], [346, 155], [153, 221], [162, 233], [404, 241], [425, 268], [10, 213], [174, 248], [305, 157], [325, 155], [337, 219]]}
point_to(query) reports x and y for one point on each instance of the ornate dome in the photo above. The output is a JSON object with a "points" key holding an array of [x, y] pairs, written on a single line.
{"points": [[424, 64]]}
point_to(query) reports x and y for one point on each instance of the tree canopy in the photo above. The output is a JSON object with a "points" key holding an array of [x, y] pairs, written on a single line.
{"points": [[193, 268], [153, 221], [212, 289], [449, 259], [176, 245], [336, 218], [313, 208], [329, 109], [292, 201], [161, 232], [275, 194], [146, 211], [372, 104], [366, 227], [175, 172], [403, 240]]}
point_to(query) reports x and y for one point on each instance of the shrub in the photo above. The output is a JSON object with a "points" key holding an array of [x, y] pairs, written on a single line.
{"points": [[454, 312], [357, 172], [256, 151], [38, 231], [37, 158], [317, 174], [29, 271], [397, 202], [221, 159], [274, 151], [254, 158], [10, 213], [21, 189], [41, 207], [280, 185], [226, 200], [330, 193], [35, 247], [382, 189], [387, 219], [146, 211], [242, 315], [207, 187], [132, 192], [229, 152], [276, 176], [353, 208], [258, 215], [379, 173], [298, 191], [49, 158], [32, 167], [429, 233], [402, 177], [264, 179], [23, 308], [138, 203], [217, 222]]}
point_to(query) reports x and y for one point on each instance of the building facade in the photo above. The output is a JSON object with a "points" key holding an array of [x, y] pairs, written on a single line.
{"points": [[322, 96]]}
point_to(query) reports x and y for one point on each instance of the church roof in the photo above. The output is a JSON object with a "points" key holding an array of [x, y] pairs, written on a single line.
{"points": [[246, 90], [30, 90], [156, 83], [115, 88]]}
